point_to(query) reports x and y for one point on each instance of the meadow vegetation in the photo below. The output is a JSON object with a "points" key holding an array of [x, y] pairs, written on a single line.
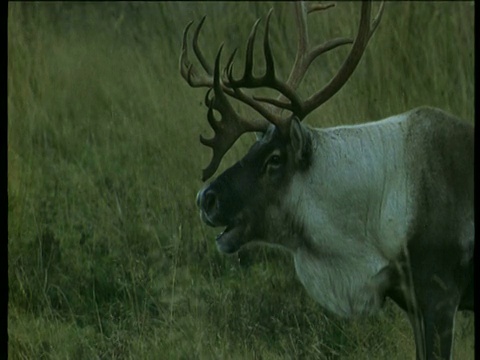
{"points": [[107, 257]]}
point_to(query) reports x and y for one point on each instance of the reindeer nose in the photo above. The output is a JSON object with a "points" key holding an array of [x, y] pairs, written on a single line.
{"points": [[207, 200]]}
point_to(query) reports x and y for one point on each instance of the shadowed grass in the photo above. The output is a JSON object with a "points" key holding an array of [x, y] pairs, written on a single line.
{"points": [[107, 256]]}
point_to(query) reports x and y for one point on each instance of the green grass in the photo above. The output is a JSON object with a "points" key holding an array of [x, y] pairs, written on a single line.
{"points": [[107, 257]]}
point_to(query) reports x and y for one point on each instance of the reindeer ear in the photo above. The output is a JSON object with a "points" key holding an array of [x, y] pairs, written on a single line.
{"points": [[301, 142]]}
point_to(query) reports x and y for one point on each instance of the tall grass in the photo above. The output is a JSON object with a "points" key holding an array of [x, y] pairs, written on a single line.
{"points": [[106, 255]]}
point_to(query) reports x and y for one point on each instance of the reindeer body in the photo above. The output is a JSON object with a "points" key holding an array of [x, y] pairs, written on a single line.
{"points": [[381, 209], [366, 198], [376, 210]]}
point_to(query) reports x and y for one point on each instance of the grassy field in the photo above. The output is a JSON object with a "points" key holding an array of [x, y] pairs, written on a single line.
{"points": [[107, 257]]}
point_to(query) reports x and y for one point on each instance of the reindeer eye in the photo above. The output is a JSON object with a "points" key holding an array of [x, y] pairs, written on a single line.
{"points": [[274, 160]]}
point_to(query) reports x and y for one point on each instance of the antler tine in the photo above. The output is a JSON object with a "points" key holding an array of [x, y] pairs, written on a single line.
{"points": [[184, 62], [377, 19], [267, 51], [365, 32], [187, 70], [197, 50], [248, 70], [247, 80]]}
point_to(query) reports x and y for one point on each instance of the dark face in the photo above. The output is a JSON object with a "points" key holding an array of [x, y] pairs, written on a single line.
{"points": [[239, 198]]}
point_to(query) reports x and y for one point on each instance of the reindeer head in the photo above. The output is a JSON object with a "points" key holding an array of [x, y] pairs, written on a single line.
{"points": [[246, 198]]}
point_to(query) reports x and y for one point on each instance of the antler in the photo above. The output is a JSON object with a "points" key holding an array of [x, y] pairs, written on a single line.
{"points": [[304, 59], [231, 126]]}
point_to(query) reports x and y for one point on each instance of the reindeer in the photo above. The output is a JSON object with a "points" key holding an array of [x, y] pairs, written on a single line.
{"points": [[370, 211]]}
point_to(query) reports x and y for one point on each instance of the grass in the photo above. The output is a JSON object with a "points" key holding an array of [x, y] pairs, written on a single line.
{"points": [[107, 257]]}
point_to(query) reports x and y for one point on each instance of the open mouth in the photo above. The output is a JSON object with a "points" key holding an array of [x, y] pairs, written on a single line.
{"points": [[230, 239], [224, 232]]}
